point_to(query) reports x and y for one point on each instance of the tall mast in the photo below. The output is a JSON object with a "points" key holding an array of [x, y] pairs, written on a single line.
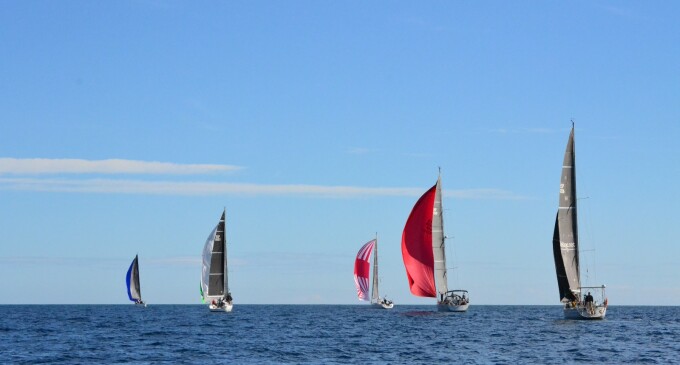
{"points": [[573, 177], [224, 241]]}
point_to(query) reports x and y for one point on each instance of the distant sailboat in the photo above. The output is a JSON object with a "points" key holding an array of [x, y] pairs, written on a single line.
{"points": [[423, 250], [566, 250], [132, 281], [214, 278], [361, 273]]}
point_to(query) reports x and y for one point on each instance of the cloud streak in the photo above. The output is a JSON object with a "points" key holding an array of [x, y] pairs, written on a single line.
{"points": [[41, 166], [524, 130], [112, 186]]}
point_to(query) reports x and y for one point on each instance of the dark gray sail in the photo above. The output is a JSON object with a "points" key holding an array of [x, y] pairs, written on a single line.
{"points": [[565, 236], [132, 281], [217, 261]]}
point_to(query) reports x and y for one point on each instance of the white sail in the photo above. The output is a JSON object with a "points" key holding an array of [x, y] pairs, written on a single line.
{"points": [[438, 244], [207, 258], [375, 297]]}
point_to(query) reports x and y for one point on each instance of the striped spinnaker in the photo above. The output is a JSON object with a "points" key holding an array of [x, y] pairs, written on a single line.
{"points": [[362, 269]]}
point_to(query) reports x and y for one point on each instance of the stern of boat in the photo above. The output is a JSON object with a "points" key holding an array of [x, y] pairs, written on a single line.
{"points": [[454, 301], [583, 312]]}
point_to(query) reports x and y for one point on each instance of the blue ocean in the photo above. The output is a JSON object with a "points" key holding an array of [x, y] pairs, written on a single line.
{"points": [[330, 334]]}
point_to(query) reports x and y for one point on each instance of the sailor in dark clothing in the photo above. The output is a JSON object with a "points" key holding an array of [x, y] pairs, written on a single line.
{"points": [[589, 303]]}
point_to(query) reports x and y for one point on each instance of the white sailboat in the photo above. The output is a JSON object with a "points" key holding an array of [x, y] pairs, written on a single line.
{"points": [[134, 290], [214, 277], [361, 273], [578, 301], [423, 250]]}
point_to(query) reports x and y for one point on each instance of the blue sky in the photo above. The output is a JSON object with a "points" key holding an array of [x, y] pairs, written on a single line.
{"points": [[317, 124]]}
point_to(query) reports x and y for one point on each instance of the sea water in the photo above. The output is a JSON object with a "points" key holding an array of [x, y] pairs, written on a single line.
{"points": [[333, 334]]}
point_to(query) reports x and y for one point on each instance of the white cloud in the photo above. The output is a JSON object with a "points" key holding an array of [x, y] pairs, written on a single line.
{"points": [[209, 188], [36, 166]]}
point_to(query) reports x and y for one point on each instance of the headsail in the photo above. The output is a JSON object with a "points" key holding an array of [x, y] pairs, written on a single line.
{"points": [[362, 269], [565, 236], [213, 278], [132, 281], [416, 246]]}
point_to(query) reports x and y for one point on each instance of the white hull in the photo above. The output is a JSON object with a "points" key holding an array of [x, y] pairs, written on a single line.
{"points": [[452, 307], [383, 305], [581, 312], [140, 305], [227, 307]]}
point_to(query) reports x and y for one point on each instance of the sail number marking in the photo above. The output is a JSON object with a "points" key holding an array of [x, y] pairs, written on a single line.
{"points": [[567, 245]]}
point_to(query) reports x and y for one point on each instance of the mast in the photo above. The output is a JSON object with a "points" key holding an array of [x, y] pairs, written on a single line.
{"points": [[223, 223], [438, 240], [375, 294]]}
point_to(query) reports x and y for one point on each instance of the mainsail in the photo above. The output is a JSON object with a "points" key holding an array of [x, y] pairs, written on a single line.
{"points": [[438, 245], [375, 294], [416, 245], [214, 281], [362, 269], [565, 236], [132, 281]]}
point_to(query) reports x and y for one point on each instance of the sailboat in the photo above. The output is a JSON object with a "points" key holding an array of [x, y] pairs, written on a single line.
{"points": [[132, 281], [214, 279], [566, 250], [361, 272], [423, 250]]}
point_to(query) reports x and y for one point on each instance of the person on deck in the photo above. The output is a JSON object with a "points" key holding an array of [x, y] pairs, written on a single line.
{"points": [[589, 302]]}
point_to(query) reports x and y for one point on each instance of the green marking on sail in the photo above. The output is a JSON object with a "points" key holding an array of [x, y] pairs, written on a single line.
{"points": [[200, 287]]}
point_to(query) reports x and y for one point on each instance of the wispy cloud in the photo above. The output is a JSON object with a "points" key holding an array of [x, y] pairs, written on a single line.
{"points": [[524, 130], [38, 166], [176, 261], [208, 188], [358, 150]]}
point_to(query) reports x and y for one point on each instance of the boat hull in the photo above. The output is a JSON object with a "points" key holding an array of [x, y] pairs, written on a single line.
{"points": [[383, 305], [580, 312], [444, 307], [225, 308]]}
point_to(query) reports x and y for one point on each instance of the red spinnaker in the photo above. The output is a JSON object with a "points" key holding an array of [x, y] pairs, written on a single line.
{"points": [[416, 247]]}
